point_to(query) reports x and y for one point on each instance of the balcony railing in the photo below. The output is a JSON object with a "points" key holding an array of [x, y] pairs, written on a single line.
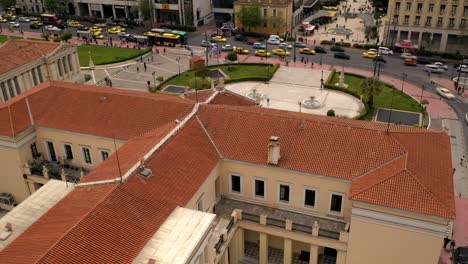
{"points": [[439, 25], [329, 234], [276, 222], [416, 23], [451, 25], [251, 217], [219, 244]]}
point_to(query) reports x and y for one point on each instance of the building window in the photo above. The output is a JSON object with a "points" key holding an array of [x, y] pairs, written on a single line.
{"points": [[10, 88], [17, 87], [68, 152], [259, 188], [454, 10], [104, 155], [4, 91], [34, 77], [408, 6], [397, 6], [39, 73], [310, 197], [417, 20], [465, 10], [451, 22], [34, 152], [274, 11], [87, 155], [442, 9], [431, 8], [235, 183], [395, 19], [406, 21], [428, 21], [264, 24], [440, 21], [265, 12], [419, 7], [462, 23], [200, 204], [336, 203], [284, 191], [50, 146]]}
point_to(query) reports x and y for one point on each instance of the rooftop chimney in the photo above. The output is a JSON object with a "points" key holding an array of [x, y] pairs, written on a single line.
{"points": [[274, 150]]}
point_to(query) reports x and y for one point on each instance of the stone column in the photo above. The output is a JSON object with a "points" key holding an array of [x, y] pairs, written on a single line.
{"points": [[314, 254], [420, 38], [397, 39], [233, 249], [60, 65], [241, 242], [341, 257], [224, 258], [113, 12], [263, 251], [409, 35], [443, 42], [89, 10], [287, 251], [102, 10]]}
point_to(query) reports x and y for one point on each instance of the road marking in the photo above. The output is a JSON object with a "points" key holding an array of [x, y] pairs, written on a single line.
{"points": [[167, 58], [126, 80], [138, 74]]}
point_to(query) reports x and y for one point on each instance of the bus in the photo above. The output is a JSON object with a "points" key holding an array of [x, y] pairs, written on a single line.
{"points": [[49, 19], [163, 39], [182, 34]]}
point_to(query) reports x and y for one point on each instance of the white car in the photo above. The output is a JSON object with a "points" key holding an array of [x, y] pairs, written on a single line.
{"points": [[273, 41], [52, 28], [444, 93], [385, 51], [227, 47], [285, 45], [408, 56], [440, 65], [462, 68], [15, 24], [24, 19], [433, 68]]}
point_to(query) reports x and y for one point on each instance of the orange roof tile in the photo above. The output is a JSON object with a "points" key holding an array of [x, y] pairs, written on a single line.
{"points": [[18, 52], [230, 98], [199, 96], [93, 110], [117, 228]]}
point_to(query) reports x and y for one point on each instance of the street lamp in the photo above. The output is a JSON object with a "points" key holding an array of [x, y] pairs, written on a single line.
{"points": [[178, 64], [154, 77], [403, 83]]}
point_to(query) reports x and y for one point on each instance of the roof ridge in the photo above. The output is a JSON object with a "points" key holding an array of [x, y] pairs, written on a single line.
{"points": [[78, 222], [428, 191], [209, 136]]}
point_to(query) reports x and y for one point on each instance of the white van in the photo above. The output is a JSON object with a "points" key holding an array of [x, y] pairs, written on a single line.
{"points": [[275, 40], [385, 51]]}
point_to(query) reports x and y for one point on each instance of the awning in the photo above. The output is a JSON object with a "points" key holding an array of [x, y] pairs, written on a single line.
{"points": [[406, 44], [307, 26]]}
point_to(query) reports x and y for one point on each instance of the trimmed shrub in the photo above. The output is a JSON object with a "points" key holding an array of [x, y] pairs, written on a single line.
{"points": [[160, 78], [326, 42], [232, 56], [371, 46], [57, 39], [199, 83], [344, 44], [65, 36], [331, 112]]}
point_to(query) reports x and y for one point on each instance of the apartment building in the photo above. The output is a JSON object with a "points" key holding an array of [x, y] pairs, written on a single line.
{"points": [[439, 25], [27, 63], [33, 6], [225, 181], [277, 15]]}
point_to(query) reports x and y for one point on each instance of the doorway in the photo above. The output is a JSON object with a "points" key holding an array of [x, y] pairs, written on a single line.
{"points": [[52, 155]]}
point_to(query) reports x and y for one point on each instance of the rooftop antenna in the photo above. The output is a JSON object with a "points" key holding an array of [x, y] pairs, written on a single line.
{"points": [[117, 157]]}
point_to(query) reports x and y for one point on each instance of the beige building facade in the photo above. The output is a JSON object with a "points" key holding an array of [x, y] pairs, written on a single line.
{"points": [[432, 25], [41, 61]]}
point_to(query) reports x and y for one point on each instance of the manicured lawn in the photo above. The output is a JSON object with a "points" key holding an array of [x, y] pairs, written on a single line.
{"points": [[232, 71], [3, 38], [106, 55], [401, 101]]}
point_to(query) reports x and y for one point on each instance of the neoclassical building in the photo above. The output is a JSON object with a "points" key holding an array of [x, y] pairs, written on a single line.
{"points": [[27, 63]]}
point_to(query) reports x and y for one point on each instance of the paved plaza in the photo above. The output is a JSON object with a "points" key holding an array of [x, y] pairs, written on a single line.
{"points": [[290, 86]]}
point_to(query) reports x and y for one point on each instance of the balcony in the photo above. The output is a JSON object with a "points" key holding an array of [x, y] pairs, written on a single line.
{"points": [[45, 169], [442, 12], [451, 25], [405, 22], [416, 23]]}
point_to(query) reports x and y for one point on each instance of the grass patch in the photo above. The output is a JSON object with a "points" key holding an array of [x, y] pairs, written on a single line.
{"points": [[401, 101], [4, 38], [234, 71], [107, 55]]}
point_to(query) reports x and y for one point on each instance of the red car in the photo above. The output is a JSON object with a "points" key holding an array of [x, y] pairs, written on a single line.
{"points": [[410, 62], [250, 41]]}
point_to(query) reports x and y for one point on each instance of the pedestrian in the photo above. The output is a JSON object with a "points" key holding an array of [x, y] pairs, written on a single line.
{"points": [[446, 242], [312, 64], [302, 59], [138, 70], [453, 172], [461, 161], [141, 59], [152, 58], [452, 244], [268, 101], [149, 83], [164, 49], [144, 65]]}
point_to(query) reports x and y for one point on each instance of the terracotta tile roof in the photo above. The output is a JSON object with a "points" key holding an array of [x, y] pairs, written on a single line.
{"points": [[201, 96], [95, 110], [117, 228], [230, 98], [307, 144], [16, 53]]}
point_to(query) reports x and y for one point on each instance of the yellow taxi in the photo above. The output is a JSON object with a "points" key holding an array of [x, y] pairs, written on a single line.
{"points": [[37, 23], [262, 53], [73, 23], [240, 50], [99, 36], [10, 17], [307, 51], [150, 34], [116, 30], [3, 20], [370, 54], [218, 39], [280, 52], [95, 28]]}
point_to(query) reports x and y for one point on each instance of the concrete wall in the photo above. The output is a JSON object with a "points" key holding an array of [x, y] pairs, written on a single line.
{"points": [[324, 186], [11, 176], [386, 244], [206, 193]]}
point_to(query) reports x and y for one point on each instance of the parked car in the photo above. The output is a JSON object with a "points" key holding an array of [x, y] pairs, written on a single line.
{"points": [[341, 55], [337, 49], [250, 41], [205, 43], [239, 37], [24, 19], [219, 39], [285, 46], [258, 45], [307, 51], [273, 41], [462, 68], [15, 24], [385, 51], [262, 53], [34, 26], [227, 47], [33, 18], [240, 50], [440, 65], [299, 45], [423, 60], [433, 68], [460, 256], [319, 49], [408, 56], [275, 38], [370, 54], [280, 52], [410, 62], [444, 93]]}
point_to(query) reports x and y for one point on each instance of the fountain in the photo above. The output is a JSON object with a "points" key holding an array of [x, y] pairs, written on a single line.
{"points": [[311, 103], [255, 95], [341, 80], [339, 30]]}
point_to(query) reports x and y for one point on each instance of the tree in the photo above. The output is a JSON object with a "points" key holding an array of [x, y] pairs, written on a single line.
{"points": [[65, 36], [331, 112], [199, 83], [58, 7], [203, 72], [249, 16], [145, 9], [232, 56], [7, 3], [371, 87]]}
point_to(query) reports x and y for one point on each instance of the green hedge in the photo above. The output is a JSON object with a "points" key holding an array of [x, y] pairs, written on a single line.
{"points": [[326, 42], [365, 46], [344, 44], [449, 56]]}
